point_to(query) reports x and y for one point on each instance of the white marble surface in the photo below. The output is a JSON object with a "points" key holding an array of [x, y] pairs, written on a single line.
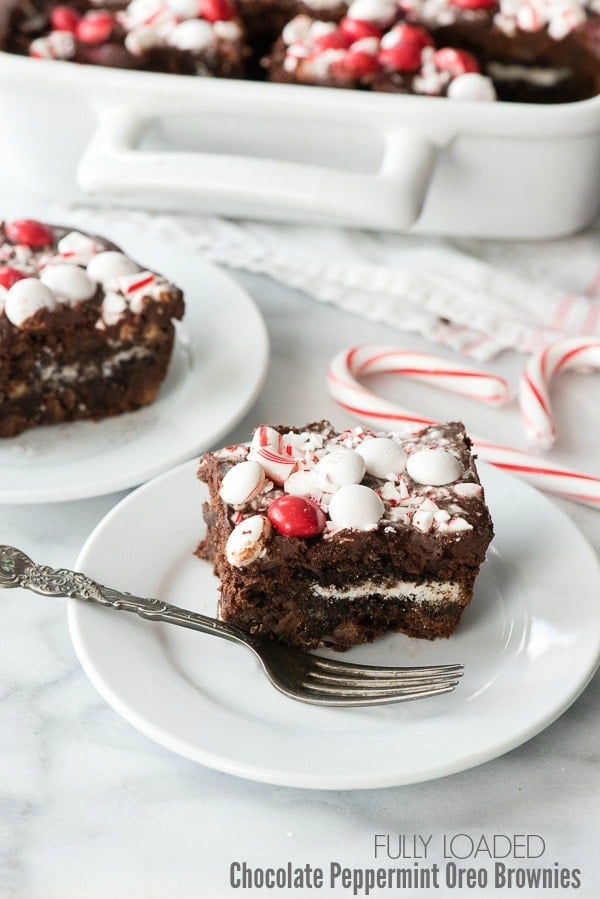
{"points": [[91, 808]]}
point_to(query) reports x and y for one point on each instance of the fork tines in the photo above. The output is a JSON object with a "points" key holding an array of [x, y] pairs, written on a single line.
{"points": [[340, 683]]}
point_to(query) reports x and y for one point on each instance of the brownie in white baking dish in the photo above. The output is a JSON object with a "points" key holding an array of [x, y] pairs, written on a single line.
{"points": [[524, 51], [461, 49], [361, 54], [322, 537], [85, 332]]}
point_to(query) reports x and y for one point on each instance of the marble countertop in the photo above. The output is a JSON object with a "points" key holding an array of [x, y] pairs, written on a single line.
{"points": [[92, 808]]}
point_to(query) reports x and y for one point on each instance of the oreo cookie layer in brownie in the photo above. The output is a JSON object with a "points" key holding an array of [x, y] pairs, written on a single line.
{"points": [[332, 538], [185, 37], [85, 332]]}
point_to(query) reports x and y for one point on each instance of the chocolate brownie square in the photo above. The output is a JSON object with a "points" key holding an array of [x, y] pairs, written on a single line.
{"points": [[85, 332], [327, 538]]}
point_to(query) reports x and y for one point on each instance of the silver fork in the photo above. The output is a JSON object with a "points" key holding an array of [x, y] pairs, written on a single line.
{"points": [[297, 674]]}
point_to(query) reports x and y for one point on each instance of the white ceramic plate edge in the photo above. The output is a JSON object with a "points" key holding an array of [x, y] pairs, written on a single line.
{"points": [[303, 781], [313, 780]]}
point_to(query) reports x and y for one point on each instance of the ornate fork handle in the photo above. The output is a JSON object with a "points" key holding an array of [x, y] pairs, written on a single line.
{"points": [[18, 570]]}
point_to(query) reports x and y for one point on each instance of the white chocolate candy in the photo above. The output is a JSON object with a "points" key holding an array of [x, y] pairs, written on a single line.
{"points": [[357, 507], [25, 298], [109, 265], [319, 29], [383, 456], [242, 483], [76, 248], [141, 11], [434, 467], [471, 86], [68, 281], [193, 34], [340, 467], [301, 483], [297, 29], [56, 45], [382, 11], [62, 45], [227, 31], [139, 41], [184, 9], [248, 541]]}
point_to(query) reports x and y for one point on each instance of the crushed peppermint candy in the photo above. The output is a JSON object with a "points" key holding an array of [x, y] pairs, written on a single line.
{"points": [[338, 474], [559, 17]]}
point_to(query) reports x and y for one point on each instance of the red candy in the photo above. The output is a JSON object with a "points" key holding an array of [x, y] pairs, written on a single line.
{"points": [[332, 40], [95, 27], [10, 276], [357, 29], [401, 58], [405, 55], [355, 65], [295, 516], [474, 4], [63, 18], [457, 62], [216, 10], [412, 34], [29, 232]]}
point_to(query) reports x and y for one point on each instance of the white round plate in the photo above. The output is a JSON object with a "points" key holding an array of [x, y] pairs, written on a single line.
{"points": [[530, 642], [218, 367]]}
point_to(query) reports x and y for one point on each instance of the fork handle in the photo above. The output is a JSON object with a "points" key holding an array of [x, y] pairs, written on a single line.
{"points": [[18, 570]]}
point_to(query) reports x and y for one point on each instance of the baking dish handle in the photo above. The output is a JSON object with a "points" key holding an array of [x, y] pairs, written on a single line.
{"points": [[391, 198]]}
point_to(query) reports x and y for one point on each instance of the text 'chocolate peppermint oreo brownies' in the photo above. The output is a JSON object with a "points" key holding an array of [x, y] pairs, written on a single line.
{"points": [[84, 331], [332, 538]]}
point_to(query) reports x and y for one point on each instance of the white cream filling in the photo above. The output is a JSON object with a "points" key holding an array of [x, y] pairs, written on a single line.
{"points": [[542, 77], [427, 591], [68, 374]]}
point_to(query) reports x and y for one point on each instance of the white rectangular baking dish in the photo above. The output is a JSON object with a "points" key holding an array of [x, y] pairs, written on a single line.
{"points": [[302, 154]]}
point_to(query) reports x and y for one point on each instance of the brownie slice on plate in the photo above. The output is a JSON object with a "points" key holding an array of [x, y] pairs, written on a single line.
{"points": [[85, 332], [332, 538]]}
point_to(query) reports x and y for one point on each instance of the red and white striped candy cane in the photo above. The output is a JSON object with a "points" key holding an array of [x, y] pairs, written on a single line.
{"points": [[442, 373], [361, 361], [534, 396], [380, 414]]}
